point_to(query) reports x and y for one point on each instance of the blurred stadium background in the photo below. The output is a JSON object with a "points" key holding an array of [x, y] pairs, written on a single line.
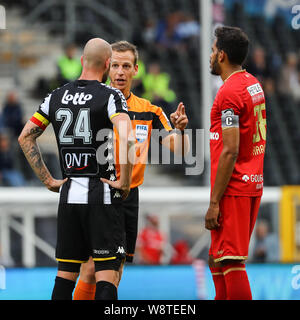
{"points": [[39, 50]]}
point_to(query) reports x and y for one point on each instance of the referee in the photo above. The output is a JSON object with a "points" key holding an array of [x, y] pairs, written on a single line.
{"points": [[90, 223], [145, 117]]}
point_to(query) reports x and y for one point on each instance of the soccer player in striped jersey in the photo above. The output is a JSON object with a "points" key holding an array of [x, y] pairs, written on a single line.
{"points": [[90, 222], [237, 147], [144, 117]]}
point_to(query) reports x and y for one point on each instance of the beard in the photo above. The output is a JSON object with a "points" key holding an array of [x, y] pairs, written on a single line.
{"points": [[215, 67]]}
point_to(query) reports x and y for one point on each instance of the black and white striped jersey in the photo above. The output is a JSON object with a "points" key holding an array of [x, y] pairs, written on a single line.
{"points": [[81, 113]]}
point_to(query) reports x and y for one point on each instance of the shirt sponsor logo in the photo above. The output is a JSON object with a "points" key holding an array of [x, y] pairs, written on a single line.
{"points": [[255, 89], [245, 178], [78, 98], [253, 178], [214, 135], [141, 132], [257, 178], [78, 161]]}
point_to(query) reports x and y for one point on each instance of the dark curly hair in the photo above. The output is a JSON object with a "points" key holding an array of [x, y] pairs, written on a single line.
{"points": [[234, 42]]}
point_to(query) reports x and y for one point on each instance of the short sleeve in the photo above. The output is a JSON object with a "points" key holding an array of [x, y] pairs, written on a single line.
{"points": [[41, 116], [231, 105], [116, 104], [229, 99]]}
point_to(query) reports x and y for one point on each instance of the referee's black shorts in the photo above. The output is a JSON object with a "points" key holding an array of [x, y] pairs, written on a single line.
{"points": [[96, 230], [130, 208]]}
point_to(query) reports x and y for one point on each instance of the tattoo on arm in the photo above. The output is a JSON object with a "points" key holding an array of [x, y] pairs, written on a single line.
{"points": [[32, 153]]}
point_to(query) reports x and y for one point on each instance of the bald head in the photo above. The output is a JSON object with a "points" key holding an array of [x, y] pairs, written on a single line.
{"points": [[95, 54]]}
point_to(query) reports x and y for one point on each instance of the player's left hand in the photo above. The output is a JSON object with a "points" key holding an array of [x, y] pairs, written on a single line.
{"points": [[212, 217], [117, 184], [179, 118]]}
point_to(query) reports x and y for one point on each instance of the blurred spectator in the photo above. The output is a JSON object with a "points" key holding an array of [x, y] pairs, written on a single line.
{"points": [[9, 175], [258, 64], [269, 87], [290, 77], [69, 67], [149, 32], [181, 255], [150, 242], [156, 86], [12, 115], [266, 244], [188, 27], [137, 83], [177, 30], [166, 35]]}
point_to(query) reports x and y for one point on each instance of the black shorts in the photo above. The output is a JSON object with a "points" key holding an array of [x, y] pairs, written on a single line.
{"points": [[131, 209], [85, 230]]}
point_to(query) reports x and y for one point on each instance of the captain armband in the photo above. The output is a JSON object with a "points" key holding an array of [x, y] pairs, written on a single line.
{"points": [[229, 119]]}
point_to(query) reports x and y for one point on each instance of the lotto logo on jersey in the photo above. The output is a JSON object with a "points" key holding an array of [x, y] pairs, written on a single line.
{"points": [[141, 132], [77, 98]]}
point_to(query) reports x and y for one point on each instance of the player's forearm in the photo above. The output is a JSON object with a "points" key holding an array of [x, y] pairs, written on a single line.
{"points": [[224, 172], [27, 141]]}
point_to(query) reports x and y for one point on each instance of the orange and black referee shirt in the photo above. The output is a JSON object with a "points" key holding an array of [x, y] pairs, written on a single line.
{"points": [[144, 117]]}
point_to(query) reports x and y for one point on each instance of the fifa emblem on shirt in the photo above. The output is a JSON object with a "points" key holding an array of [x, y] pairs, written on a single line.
{"points": [[141, 132]]}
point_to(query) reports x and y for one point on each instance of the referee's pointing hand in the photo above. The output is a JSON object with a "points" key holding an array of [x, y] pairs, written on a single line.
{"points": [[179, 118]]}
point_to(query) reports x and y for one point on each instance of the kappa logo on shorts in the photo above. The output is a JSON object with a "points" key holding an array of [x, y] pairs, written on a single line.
{"points": [[121, 250], [117, 194]]}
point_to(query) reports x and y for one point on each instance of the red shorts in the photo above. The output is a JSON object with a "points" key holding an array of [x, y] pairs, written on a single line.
{"points": [[237, 220]]}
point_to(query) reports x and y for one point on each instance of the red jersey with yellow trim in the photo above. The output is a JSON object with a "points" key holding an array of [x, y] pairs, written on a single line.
{"points": [[144, 117], [241, 97]]}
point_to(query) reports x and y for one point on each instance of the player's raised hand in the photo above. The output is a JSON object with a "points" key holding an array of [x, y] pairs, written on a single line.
{"points": [[179, 118]]}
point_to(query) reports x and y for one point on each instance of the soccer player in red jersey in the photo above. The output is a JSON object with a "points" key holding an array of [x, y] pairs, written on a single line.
{"points": [[237, 146]]}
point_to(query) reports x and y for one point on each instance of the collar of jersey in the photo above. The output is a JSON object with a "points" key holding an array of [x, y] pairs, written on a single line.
{"points": [[233, 73]]}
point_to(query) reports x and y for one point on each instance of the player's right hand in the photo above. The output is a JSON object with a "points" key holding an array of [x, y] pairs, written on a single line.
{"points": [[117, 184], [212, 217], [54, 185]]}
